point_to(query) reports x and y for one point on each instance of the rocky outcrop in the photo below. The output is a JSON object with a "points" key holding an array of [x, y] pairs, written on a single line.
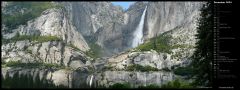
{"points": [[135, 79], [53, 52], [147, 58]]}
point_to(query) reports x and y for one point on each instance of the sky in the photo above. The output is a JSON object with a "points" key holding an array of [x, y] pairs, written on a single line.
{"points": [[125, 5]]}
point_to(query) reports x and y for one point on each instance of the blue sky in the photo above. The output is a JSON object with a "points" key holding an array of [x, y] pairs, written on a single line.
{"points": [[125, 5]]}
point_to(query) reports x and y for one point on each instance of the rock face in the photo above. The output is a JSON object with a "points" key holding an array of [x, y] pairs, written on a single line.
{"points": [[88, 17], [55, 23], [52, 22], [165, 16], [100, 23], [112, 28], [135, 79]]}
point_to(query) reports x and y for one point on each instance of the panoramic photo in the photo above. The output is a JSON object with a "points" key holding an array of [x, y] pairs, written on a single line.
{"points": [[107, 44]]}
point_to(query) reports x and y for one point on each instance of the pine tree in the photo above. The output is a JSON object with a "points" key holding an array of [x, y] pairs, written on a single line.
{"points": [[5, 81], [37, 82], [203, 56]]}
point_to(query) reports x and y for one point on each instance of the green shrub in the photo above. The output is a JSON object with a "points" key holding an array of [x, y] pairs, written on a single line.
{"points": [[107, 68], [131, 67], [29, 51], [120, 85], [4, 41], [3, 62], [166, 69], [136, 67], [41, 39], [159, 43], [74, 47], [32, 65], [20, 64], [178, 83], [95, 50], [184, 71], [149, 68], [12, 63], [48, 65], [38, 39]]}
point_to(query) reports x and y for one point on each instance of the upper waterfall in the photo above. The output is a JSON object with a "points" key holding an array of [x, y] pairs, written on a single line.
{"points": [[138, 33]]}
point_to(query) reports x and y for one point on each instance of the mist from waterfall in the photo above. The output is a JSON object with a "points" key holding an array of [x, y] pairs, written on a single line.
{"points": [[138, 33]]}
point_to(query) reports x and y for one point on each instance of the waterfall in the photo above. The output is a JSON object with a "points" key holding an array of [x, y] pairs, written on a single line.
{"points": [[138, 33], [90, 83]]}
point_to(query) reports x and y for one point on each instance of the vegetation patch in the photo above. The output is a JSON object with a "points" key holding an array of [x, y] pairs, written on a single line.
{"points": [[178, 83], [176, 55], [95, 51], [160, 44], [120, 85], [74, 47], [166, 69], [29, 51], [184, 71], [107, 68], [38, 39], [175, 84], [136, 67], [32, 65]]}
